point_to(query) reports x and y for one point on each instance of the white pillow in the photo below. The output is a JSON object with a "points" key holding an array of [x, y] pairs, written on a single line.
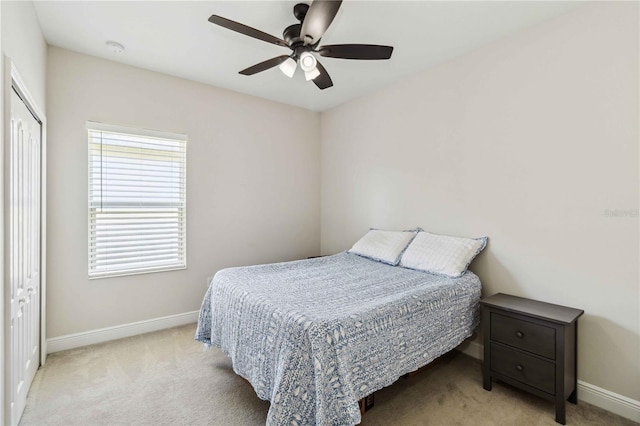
{"points": [[383, 246], [442, 254]]}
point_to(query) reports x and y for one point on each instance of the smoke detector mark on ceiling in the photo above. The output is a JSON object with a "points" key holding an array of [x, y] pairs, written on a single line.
{"points": [[115, 47]]}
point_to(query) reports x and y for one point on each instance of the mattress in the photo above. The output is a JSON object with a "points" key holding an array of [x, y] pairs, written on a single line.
{"points": [[315, 336]]}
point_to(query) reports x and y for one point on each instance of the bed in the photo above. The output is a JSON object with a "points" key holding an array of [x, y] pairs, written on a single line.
{"points": [[315, 336]]}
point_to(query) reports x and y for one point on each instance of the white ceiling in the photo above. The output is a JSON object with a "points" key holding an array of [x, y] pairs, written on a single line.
{"points": [[174, 37]]}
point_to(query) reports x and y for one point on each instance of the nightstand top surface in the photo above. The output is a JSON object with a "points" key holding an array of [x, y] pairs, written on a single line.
{"points": [[534, 308]]}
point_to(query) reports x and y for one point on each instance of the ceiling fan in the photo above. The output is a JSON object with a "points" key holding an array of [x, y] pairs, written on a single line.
{"points": [[303, 39]]}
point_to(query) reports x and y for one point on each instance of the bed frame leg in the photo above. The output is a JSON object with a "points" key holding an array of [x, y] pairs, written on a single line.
{"points": [[366, 403]]}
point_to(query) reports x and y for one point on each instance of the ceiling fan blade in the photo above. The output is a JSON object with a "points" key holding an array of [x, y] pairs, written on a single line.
{"points": [[243, 29], [318, 18], [323, 81], [356, 51], [263, 66]]}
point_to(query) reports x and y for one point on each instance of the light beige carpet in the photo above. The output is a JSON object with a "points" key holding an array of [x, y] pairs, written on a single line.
{"points": [[165, 378]]}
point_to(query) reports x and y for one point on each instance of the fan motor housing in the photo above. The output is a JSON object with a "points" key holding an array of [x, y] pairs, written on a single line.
{"points": [[291, 34]]}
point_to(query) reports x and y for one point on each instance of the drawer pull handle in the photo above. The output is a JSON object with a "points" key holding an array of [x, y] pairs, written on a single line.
{"points": [[519, 367], [519, 334]]}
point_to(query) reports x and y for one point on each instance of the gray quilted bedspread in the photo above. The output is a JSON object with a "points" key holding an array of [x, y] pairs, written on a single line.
{"points": [[315, 336]]}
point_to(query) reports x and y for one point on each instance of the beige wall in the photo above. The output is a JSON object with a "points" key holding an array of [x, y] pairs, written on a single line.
{"points": [[530, 141], [253, 192], [24, 44]]}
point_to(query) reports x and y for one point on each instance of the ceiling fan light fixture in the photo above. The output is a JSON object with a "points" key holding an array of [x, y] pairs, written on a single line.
{"points": [[288, 67], [310, 75], [308, 62]]}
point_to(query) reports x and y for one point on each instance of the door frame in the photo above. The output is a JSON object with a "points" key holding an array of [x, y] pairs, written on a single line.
{"points": [[12, 80]]}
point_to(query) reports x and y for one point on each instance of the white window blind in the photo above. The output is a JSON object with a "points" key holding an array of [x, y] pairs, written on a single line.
{"points": [[137, 201]]}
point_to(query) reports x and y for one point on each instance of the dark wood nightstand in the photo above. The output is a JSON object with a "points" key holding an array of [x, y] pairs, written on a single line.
{"points": [[533, 346]]}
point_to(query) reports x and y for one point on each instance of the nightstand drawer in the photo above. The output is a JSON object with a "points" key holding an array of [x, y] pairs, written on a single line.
{"points": [[524, 368], [534, 338]]}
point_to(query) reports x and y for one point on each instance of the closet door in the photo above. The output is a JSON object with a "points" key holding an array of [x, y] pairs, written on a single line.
{"points": [[23, 248]]}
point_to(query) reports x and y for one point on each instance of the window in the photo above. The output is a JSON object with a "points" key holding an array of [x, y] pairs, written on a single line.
{"points": [[137, 201]]}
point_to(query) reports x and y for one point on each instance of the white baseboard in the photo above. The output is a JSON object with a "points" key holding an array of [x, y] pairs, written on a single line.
{"points": [[591, 394], [610, 401], [70, 341]]}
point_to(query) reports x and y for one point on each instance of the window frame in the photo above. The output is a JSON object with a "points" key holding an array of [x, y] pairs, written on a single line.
{"points": [[136, 132]]}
